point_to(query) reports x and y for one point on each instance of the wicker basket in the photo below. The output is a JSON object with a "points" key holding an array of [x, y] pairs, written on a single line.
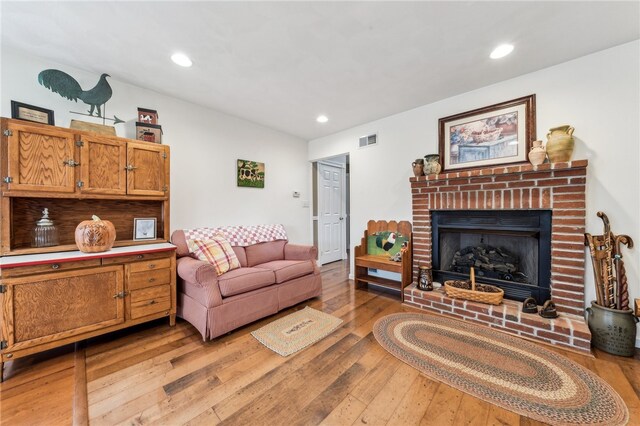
{"points": [[473, 295]]}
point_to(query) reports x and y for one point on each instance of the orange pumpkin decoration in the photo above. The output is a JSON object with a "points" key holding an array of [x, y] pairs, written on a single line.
{"points": [[93, 236]]}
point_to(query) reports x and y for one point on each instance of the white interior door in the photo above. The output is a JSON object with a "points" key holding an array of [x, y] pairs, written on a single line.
{"points": [[331, 223]]}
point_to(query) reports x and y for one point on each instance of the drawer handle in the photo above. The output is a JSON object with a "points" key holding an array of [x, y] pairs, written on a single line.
{"points": [[152, 265], [140, 256], [153, 302], [151, 280], [55, 266]]}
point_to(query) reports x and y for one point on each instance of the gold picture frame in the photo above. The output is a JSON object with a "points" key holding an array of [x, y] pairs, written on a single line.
{"points": [[493, 135]]}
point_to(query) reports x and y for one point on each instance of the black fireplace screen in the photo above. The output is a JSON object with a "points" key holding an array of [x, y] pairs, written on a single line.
{"points": [[507, 248]]}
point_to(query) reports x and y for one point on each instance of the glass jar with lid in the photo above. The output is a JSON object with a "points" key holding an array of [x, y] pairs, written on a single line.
{"points": [[45, 234]]}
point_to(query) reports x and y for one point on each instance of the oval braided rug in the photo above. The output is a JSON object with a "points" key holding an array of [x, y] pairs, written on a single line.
{"points": [[507, 371]]}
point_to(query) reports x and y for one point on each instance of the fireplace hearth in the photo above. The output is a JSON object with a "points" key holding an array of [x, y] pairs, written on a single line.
{"points": [[510, 249]]}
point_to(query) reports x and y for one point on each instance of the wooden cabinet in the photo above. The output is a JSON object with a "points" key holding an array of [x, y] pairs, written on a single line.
{"points": [[111, 166], [50, 159], [45, 306], [40, 159], [48, 307], [76, 174], [145, 169], [102, 165]]}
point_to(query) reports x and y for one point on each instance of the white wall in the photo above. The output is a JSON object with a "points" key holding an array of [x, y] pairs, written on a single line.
{"points": [[205, 145], [598, 94]]}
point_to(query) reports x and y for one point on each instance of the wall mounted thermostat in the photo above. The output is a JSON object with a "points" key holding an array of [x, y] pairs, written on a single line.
{"points": [[296, 194]]}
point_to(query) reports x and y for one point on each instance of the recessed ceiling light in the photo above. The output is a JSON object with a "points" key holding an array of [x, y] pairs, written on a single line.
{"points": [[322, 119], [181, 59], [501, 51]]}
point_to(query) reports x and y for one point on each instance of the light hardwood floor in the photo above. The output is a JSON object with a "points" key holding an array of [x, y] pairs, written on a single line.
{"points": [[167, 375]]}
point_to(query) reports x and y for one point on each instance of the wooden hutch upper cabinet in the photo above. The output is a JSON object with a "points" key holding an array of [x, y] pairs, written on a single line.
{"points": [[146, 169], [102, 165], [45, 159], [40, 159]]}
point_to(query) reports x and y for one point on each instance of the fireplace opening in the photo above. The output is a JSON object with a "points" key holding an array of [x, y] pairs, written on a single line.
{"points": [[507, 248]]}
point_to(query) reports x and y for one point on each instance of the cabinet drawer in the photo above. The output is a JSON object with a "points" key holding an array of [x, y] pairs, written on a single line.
{"points": [[135, 258], [150, 301], [150, 265], [148, 279], [49, 267]]}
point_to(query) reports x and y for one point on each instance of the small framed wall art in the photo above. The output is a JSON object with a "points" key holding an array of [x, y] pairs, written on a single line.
{"points": [[144, 228], [32, 113], [492, 135], [250, 174]]}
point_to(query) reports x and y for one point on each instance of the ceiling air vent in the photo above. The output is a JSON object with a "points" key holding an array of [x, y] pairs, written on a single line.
{"points": [[368, 140]]}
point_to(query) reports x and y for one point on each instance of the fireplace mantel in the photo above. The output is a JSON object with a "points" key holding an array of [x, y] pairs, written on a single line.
{"points": [[559, 187]]}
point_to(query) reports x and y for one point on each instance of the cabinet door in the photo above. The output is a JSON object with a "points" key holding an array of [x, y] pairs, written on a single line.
{"points": [[44, 308], [145, 169], [41, 159], [102, 165]]}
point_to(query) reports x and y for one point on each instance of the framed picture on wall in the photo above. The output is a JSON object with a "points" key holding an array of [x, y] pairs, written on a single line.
{"points": [[250, 174], [144, 228], [492, 135], [32, 113]]}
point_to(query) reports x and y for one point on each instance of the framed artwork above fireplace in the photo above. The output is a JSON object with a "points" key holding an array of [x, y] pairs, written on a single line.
{"points": [[492, 135]]}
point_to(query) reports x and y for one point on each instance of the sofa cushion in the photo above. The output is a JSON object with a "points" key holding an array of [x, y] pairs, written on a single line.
{"points": [[244, 279], [265, 252], [217, 251], [286, 270], [240, 254]]}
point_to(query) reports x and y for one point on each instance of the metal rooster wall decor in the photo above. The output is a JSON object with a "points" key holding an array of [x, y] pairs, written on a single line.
{"points": [[68, 87]]}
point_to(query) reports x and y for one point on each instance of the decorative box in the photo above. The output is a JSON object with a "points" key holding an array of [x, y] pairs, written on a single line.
{"points": [[149, 132], [147, 116]]}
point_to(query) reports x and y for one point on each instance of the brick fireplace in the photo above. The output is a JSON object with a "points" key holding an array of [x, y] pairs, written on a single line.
{"points": [[559, 188]]}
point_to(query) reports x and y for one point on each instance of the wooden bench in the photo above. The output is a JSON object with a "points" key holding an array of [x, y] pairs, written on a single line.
{"points": [[363, 260]]}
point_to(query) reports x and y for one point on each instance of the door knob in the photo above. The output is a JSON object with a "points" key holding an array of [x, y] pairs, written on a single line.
{"points": [[341, 218]]}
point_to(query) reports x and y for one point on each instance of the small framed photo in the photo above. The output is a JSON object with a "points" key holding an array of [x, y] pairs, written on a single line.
{"points": [[144, 228], [492, 135], [31, 113]]}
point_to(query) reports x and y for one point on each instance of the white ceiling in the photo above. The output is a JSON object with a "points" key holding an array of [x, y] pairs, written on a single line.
{"points": [[281, 64]]}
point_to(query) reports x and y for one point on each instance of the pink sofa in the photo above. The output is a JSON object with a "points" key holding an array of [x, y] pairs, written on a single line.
{"points": [[273, 275]]}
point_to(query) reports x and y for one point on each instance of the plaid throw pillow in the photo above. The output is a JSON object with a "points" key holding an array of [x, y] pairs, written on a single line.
{"points": [[216, 251]]}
